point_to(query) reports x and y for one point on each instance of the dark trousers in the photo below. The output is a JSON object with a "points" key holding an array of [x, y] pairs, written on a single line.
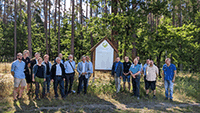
{"points": [[37, 90], [59, 80], [69, 80], [145, 82], [136, 86], [82, 79], [48, 80]]}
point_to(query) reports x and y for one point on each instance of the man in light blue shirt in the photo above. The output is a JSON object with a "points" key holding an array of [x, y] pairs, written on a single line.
{"points": [[69, 73], [135, 71], [17, 70]]}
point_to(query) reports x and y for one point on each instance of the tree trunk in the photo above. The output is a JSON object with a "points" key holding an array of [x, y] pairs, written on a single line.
{"points": [[29, 27], [49, 25], [114, 33], [4, 13], [105, 8], [81, 18], [134, 50], [87, 10], [72, 35], [91, 38], [45, 25], [59, 28], [180, 25], [173, 16], [64, 7], [15, 31], [55, 23]]}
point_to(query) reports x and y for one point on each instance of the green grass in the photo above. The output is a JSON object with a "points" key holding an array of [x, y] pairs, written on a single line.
{"points": [[101, 97]]}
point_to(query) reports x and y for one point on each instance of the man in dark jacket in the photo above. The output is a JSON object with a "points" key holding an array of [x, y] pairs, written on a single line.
{"points": [[117, 71], [58, 77]]}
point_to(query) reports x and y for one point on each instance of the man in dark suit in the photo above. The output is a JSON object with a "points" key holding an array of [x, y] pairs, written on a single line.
{"points": [[58, 77], [117, 71]]}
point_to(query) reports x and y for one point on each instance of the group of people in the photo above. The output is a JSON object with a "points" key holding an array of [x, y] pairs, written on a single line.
{"points": [[40, 71], [126, 70]]}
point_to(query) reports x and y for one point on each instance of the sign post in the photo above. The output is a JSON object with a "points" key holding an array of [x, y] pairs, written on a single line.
{"points": [[104, 53]]}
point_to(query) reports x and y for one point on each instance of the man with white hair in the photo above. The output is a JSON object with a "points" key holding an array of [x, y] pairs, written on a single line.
{"points": [[61, 57], [58, 77], [69, 73], [135, 71], [169, 73], [17, 70], [151, 75]]}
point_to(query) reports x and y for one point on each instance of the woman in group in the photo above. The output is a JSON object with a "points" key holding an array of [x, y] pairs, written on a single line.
{"points": [[39, 77], [27, 70]]}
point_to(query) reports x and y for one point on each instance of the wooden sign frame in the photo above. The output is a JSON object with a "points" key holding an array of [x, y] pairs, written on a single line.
{"points": [[93, 52]]}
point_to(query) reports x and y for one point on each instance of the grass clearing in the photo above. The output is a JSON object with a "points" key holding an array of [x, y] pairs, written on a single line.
{"points": [[101, 97]]}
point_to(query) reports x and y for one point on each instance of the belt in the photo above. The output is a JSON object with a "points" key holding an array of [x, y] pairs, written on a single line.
{"points": [[58, 75]]}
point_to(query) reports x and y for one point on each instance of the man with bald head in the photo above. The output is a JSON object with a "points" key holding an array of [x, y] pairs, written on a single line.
{"points": [[17, 70]]}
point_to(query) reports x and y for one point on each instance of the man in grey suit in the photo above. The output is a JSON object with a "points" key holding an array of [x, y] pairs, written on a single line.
{"points": [[117, 71], [84, 71]]}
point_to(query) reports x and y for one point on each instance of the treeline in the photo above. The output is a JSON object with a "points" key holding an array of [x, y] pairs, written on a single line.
{"points": [[147, 28]]}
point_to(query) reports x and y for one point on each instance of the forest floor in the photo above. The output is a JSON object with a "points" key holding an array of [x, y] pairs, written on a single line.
{"points": [[101, 97]]}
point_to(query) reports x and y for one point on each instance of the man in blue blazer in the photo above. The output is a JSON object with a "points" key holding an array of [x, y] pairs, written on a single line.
{"points": [[84, 72], [117, 71]]}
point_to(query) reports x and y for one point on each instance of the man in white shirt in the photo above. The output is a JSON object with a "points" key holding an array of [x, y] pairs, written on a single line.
{"points": [[83, 70], [58, 77], [151, 75]]}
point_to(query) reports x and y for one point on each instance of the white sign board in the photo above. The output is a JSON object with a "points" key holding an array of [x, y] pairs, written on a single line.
{"points": [[104, 56]]}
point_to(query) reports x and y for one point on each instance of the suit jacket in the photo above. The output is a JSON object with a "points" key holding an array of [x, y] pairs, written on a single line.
{"points": [[53, 71], [87, 69], [119, 70]]}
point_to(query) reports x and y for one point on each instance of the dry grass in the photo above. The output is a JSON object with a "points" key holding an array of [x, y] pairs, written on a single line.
{"points": [[5, 68], [101, 97]]}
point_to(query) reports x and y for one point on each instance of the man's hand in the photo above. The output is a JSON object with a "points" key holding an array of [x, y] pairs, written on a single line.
{"points": [[44, 79], [133, 75], [63, 79], [52, 80], [33, 79], [12, 72], [173, 80], [120, 77]]}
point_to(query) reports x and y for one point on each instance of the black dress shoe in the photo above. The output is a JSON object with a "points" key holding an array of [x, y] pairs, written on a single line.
{"points": [[166, 98], [171, 100]]}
